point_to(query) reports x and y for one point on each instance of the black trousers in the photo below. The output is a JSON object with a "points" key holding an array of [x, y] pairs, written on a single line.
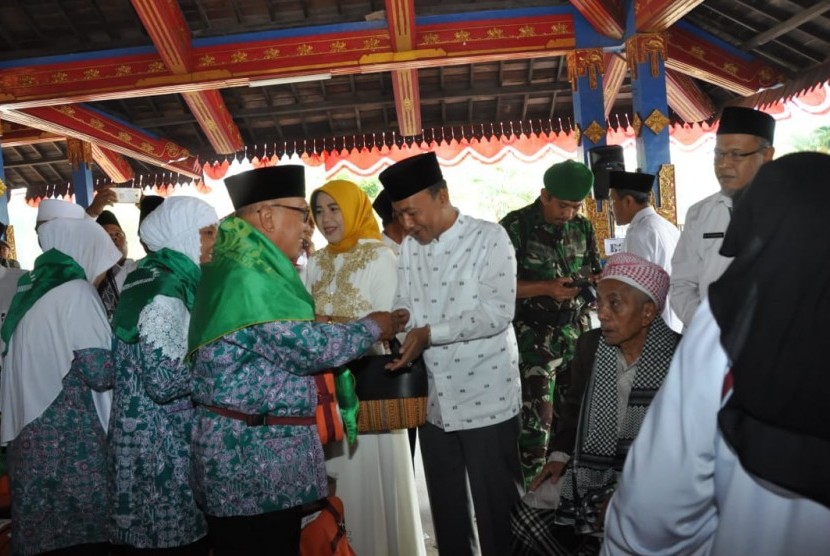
{"points": [[252, 535], [489, 458]]}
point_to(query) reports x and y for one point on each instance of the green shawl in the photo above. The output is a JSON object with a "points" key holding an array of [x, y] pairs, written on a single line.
{"points": [[165, 272], [248, 282], [52, 269]]}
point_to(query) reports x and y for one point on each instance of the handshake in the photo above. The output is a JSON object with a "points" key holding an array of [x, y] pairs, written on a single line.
{"points": [[390, 323]]}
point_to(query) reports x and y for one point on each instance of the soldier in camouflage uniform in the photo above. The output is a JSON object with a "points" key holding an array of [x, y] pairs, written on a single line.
{"points": [[554, 245]]}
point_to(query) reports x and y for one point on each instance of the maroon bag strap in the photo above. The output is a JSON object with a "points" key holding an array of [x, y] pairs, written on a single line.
{"points": [[341, 525]]}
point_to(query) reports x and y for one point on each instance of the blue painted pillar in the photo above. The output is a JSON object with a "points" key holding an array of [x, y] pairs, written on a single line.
{"points": [[79, 155], [646, 55], [4, 199]]}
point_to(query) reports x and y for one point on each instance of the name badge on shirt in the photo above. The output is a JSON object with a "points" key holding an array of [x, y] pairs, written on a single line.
{"points": [[712, 235]]}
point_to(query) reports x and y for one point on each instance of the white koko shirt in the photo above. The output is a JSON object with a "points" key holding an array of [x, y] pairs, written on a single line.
{"points": [[697, 261], [463, 285]]}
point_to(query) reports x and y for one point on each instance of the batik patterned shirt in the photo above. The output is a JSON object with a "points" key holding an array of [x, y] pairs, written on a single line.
{"points": [[242, 470], [57, 465], [149, 459]]}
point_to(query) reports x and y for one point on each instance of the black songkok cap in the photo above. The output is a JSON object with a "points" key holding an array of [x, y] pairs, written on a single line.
{"points": [[410, 176], [106, 217], [264, 184], [633, 181], [736, 119], [383, 207], [148, 204]]}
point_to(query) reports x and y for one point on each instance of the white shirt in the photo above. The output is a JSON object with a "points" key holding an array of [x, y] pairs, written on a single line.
{"points": [[463, 285], [697, 262], [391, 244], [654, 238], [683, 491]]}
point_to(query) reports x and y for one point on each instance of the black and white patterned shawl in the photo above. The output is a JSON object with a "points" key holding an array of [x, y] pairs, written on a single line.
{"points": [[599, 454]]}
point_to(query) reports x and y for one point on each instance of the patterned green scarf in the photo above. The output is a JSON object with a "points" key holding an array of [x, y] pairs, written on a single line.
{"points": [[52, 269], [248, 282], [165, 272]]}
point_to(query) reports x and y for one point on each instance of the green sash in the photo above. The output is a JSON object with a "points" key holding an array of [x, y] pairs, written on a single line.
{"points": [[52, 269], [165, 272], [248, 282]]}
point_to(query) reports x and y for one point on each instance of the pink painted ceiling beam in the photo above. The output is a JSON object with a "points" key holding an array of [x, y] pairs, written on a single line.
{"points": [[400, 16], [653, 16], [96, 128], [112, 164], [615, 72], [604, 15], [686, 98], [166, 25]]}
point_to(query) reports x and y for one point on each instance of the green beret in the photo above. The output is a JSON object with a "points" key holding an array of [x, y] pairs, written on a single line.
{"points": [[569, 180]]}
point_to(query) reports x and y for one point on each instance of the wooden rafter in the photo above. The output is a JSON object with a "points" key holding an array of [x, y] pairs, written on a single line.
{"points": [[686, 98], [654, 16], [612, 80], [604, 15]]}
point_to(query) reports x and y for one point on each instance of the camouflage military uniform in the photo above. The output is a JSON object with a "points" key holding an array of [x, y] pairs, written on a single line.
{"points": [[546, 330]]}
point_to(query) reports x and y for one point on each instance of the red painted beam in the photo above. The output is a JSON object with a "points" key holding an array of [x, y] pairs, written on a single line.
{"points": [[653, 16], [400, 15], [237, 64], [212, 114], [686, 98], [14, 135], [87, 125], [606, 16], [691, 54], [112, 164], [407, 101], [166, 25]]}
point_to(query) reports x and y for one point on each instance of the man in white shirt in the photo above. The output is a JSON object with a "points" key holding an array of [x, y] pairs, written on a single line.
{"points": [[649, 235], [457, 286], [743, 145]]}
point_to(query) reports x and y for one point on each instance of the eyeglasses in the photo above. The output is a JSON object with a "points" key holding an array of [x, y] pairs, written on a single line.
{"points": [[306, 212], [735, 156]]}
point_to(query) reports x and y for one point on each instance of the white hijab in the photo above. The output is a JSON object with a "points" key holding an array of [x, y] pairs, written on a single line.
{"points": [[175, 225], [68, 318]]}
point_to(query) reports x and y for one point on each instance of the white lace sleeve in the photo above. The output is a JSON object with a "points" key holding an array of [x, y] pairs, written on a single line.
{"points": [[163, 325]]}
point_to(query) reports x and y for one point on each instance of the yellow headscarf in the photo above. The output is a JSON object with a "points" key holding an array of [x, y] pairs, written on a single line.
{"points": [[358, 218]]}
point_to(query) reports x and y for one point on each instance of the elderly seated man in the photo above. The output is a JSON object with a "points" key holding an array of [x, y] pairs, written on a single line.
{"points": [[616, 371]]}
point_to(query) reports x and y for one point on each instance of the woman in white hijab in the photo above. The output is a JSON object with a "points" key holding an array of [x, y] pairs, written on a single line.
{"points": [[152, 501], [58, 355]]}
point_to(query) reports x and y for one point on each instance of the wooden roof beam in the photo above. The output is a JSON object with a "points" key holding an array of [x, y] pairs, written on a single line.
{"points": [[166, 25], [604, 15], [654, 16], [400, 17], [687, 99], [95, 127], [612, 80], [693, 52], [112, 164], [805, 15]]}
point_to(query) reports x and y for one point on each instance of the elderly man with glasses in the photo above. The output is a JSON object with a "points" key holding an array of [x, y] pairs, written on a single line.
{"points": [[743, 145], [256, 453]]}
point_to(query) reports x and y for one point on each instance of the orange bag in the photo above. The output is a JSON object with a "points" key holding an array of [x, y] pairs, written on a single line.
{"points": [[329, 425], [326, 535]]}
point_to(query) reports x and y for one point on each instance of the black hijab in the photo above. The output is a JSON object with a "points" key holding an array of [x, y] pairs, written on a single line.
{"points": [[773, 308]]}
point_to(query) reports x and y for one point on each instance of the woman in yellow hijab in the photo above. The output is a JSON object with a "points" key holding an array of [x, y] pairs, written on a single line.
{"points": [[352, 276]]}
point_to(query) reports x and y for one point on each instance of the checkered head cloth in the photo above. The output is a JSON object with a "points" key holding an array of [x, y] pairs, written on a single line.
{"points": [[638, 273]]}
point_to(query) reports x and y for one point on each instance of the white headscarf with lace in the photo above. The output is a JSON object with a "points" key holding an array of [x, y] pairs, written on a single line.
{"points": [[175, 225]]}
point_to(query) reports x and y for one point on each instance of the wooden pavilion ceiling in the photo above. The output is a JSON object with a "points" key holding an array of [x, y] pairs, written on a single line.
{"points": [[472, 91]]}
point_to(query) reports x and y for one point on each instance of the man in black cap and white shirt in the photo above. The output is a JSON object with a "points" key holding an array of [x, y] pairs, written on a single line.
{"points": [[457, 286], [649, 235], [743, 145]]}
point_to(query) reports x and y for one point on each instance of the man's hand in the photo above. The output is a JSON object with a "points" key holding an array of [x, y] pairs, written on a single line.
{"points": [[416, 341], [559, 291], [389, 323], [551, 470], [103, 198]]}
